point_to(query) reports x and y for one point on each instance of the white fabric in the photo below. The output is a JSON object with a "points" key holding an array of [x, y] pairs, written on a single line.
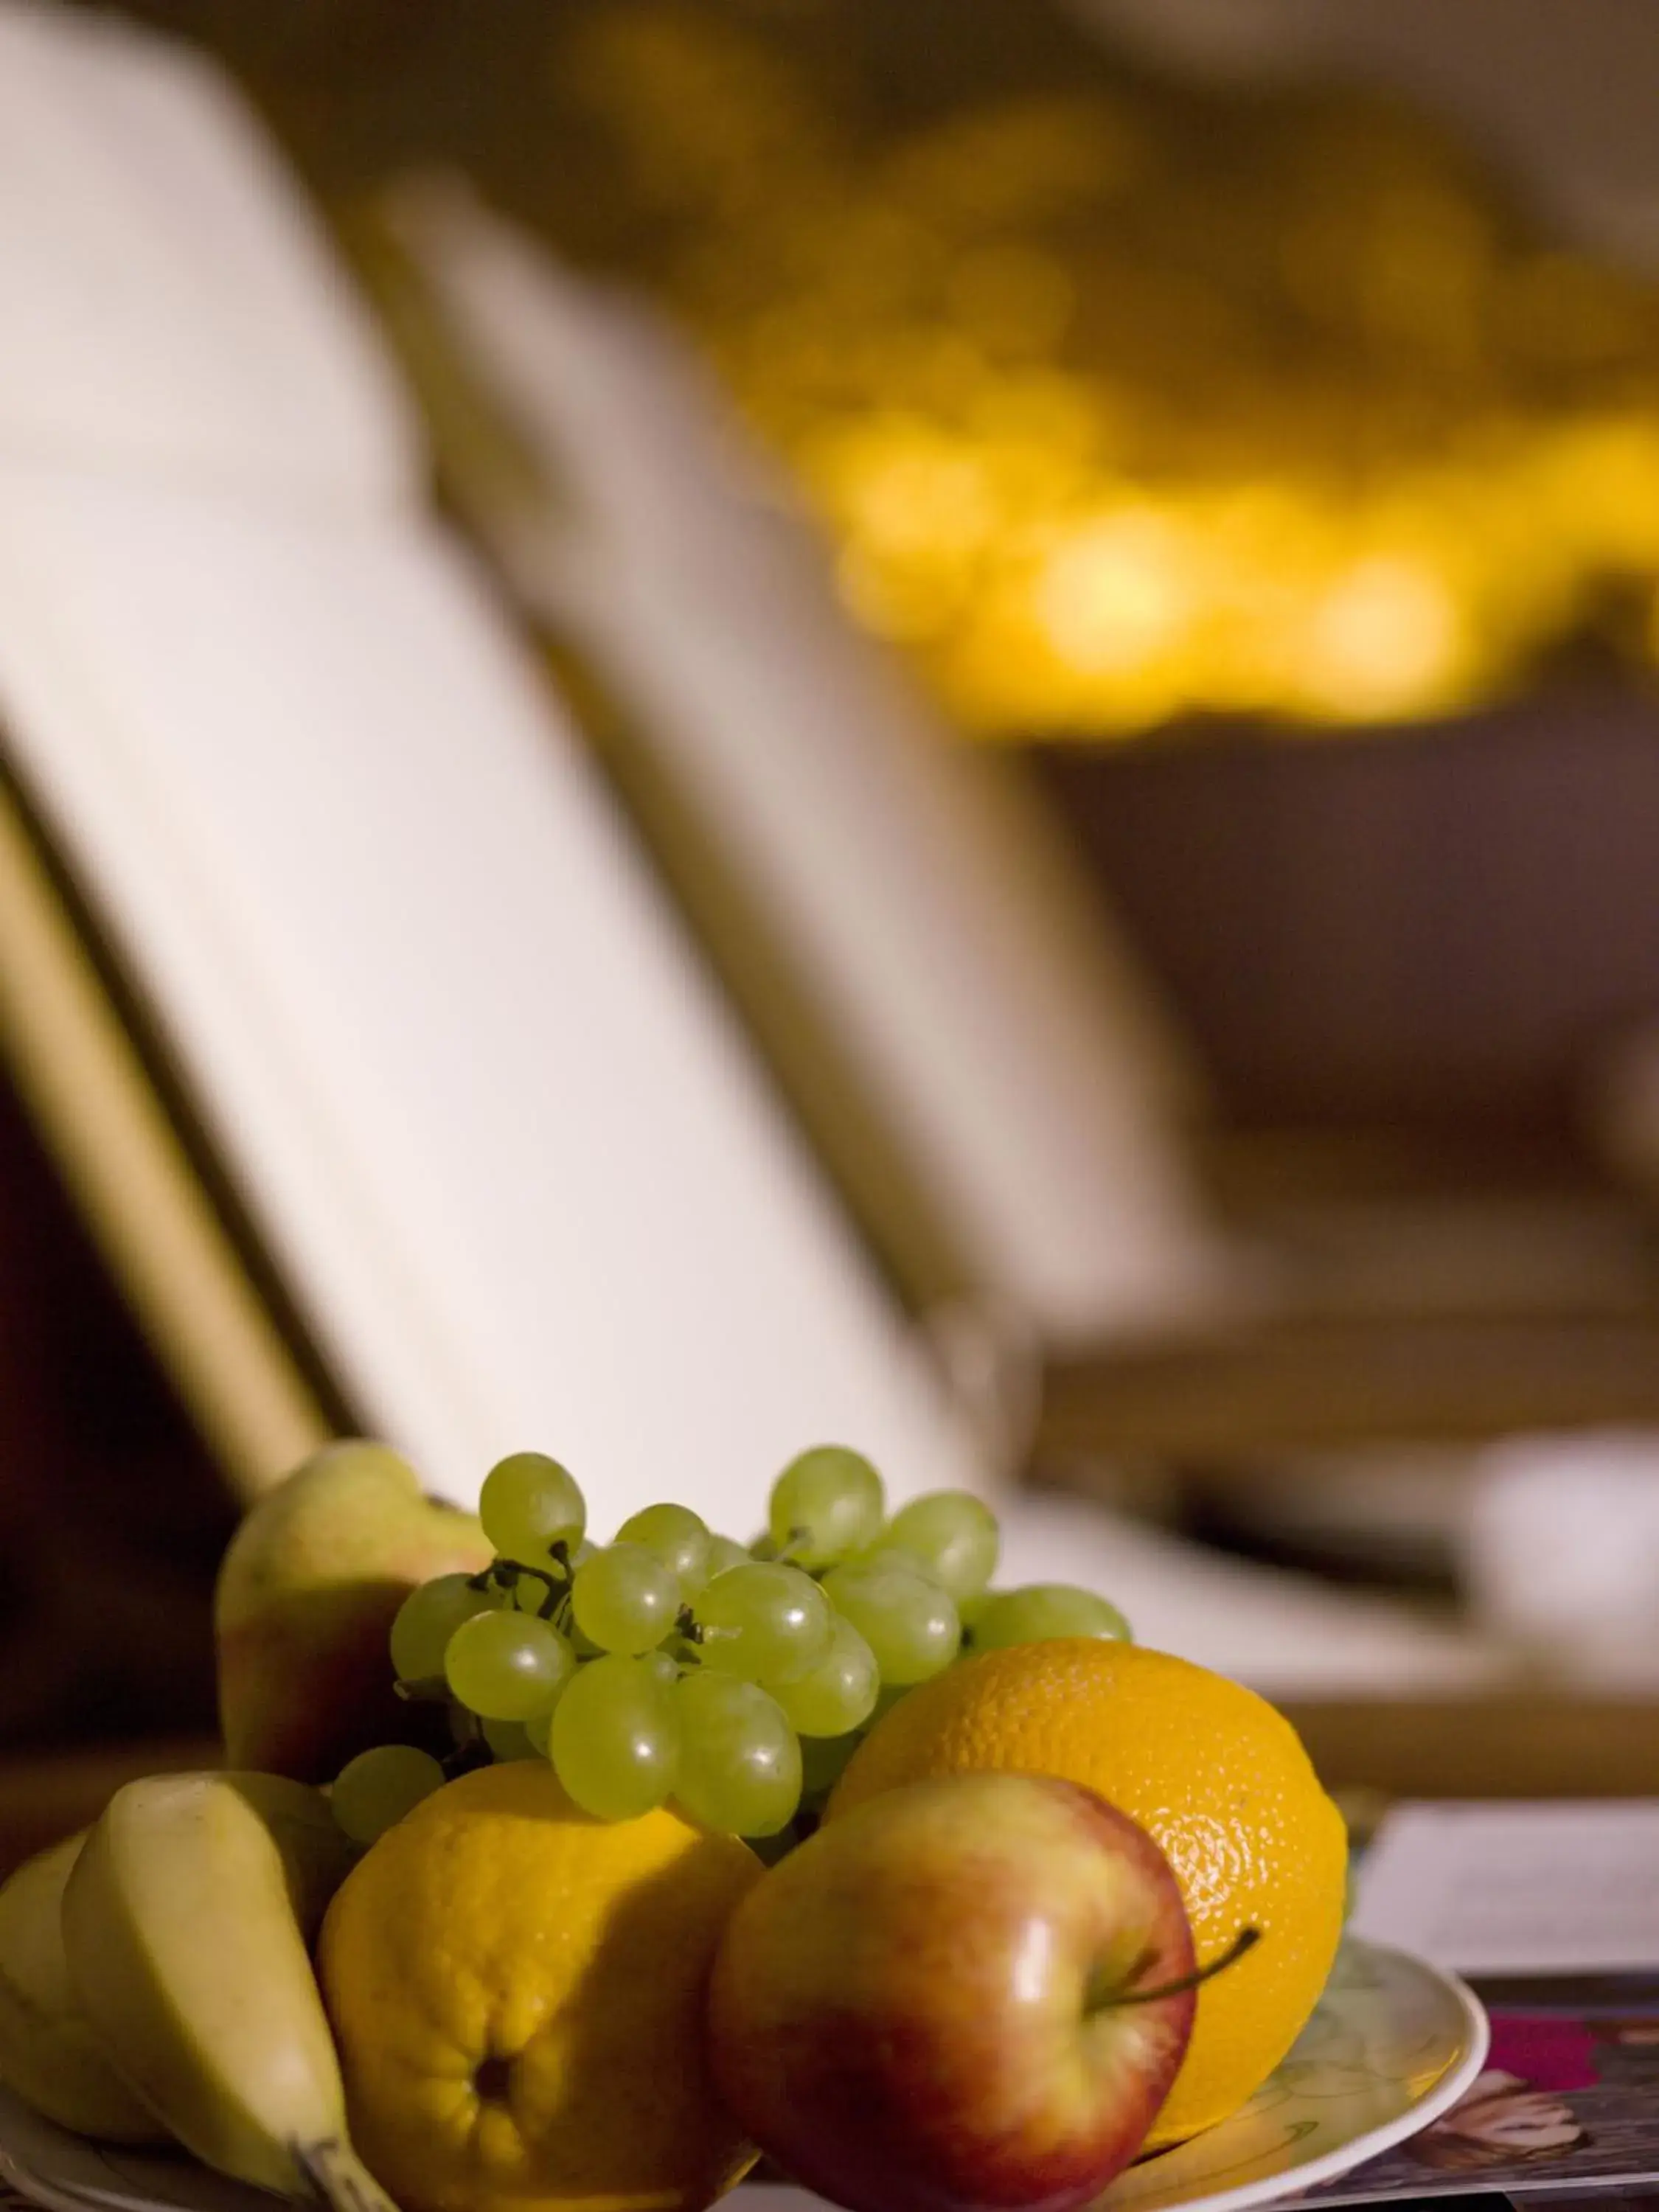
{"points": [[1535, 1887], [169, 308], [1287, 1634], [524, 1177], [1033, 1090], [1561, 1552]]}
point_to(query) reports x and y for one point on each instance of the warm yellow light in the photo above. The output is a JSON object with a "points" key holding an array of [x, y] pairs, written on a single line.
{"points": [[1124, 402], [1119, 592], [1385, 640]]}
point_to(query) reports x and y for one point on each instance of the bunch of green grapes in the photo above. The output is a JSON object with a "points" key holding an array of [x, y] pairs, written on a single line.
{"points": [[674, 1664]]}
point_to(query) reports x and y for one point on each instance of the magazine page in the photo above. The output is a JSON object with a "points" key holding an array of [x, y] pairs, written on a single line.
{"points": [[1524, 1888], [1568, 2105], [1550, 1910]]}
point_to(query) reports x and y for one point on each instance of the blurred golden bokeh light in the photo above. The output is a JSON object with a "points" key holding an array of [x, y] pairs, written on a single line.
{"points": [[1125, 402]]}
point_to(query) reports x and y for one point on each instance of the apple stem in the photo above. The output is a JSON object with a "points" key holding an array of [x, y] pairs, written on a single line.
{"points": [[1245, 1940]]}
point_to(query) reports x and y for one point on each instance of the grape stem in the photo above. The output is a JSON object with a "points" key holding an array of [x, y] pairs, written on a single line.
{"points": [[506, 1574], [467, 1757], [473, 1748], [427, 1690], [702, 1631]]}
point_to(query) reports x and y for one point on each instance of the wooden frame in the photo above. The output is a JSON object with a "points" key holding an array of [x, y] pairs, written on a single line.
{"points": [[1223, 1401]]}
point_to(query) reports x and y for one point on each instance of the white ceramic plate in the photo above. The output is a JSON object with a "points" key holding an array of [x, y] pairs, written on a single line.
{"points": [[1392, 2045]]}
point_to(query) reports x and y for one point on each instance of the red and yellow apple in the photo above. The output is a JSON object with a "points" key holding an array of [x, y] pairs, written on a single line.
{"points": [[307, 1591], [958, 1997]]}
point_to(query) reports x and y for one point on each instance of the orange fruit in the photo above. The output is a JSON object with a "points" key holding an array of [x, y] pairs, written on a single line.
{"points": [[517, 1993], [1218, 1777]]}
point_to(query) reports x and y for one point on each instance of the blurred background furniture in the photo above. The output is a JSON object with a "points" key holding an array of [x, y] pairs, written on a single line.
{"points": [[500, 1146], [775, 761]]}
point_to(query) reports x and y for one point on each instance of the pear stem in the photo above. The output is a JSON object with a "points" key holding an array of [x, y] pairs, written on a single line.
{"points": [[1245, 1940]]}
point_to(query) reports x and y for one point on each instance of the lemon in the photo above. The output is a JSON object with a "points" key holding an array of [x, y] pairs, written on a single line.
{"points": [[1218, 1777], [517, 1993]]}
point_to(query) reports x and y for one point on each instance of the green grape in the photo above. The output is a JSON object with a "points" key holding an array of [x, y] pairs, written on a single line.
{"points": [[540, 1727], [624, 1599], [506, 1666], [662, 1664], [955, 1536], [839, 1693], [884, 1553], [528, 1503], [615, 1739], [376, 1789], [724, 1552], [764, 1621], [827, 1502], [680, 1538], [510, 1739], [429, 1617], [1041, 1610], [907, 1620], [740, 1766]]}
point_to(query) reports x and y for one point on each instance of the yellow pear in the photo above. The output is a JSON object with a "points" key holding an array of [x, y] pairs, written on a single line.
{"points": [[307, 1594]]}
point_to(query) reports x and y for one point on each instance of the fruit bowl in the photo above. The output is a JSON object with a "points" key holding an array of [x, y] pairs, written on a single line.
{"points": [[834, 1775], [1394, 2043]]}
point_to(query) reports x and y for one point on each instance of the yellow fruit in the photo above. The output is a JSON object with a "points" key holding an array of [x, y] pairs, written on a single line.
{"points": [[1211, 1769], [517, 1993]]}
